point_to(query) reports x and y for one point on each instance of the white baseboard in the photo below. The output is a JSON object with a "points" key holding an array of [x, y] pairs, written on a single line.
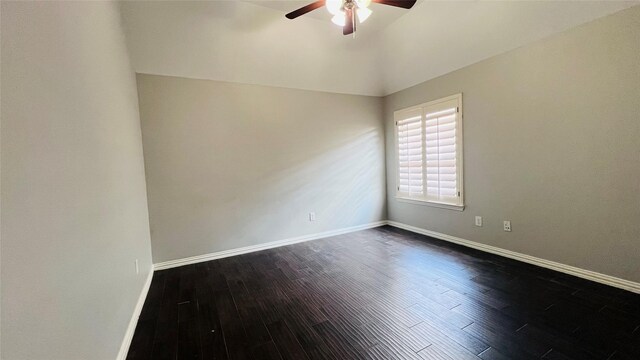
{"points": [[567, 269], [247, 249], [131, 329]]}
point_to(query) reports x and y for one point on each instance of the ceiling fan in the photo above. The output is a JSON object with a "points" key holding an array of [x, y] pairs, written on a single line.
{"points": [[345, 12]]}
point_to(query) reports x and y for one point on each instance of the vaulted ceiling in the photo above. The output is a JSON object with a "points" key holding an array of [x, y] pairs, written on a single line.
{"points": [[252, 42]]}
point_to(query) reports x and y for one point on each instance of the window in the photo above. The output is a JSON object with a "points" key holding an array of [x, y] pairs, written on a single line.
{"points": [[429, 148]]}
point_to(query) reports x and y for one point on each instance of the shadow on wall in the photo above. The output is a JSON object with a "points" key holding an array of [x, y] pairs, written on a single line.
{"points": [[261, 201], [345, 177]]}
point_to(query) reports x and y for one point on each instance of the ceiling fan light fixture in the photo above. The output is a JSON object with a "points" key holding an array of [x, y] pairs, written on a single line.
{"points": [[363, 14], [339, 18], [333, 6], [345, 12]]}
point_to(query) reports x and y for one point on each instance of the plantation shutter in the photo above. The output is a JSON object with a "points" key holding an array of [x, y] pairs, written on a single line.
{"points": [[429, 140], [441, 151], [410, 153]]}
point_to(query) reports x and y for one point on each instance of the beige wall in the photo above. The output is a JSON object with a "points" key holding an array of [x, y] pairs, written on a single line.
{"points": [[552, 143], [232, 165], [74, 211]]}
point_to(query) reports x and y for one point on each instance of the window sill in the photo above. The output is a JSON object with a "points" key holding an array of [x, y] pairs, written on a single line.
{"points": [[431, 203]]}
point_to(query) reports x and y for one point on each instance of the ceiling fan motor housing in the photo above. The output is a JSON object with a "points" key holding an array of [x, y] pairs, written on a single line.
{"points": [[349, 4]]}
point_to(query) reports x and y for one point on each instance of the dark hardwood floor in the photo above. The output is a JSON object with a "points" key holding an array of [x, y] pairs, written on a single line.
{"points": [[382, 293]]}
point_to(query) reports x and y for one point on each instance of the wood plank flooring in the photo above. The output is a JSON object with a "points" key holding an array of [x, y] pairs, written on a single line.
{"points": [[382, 293]]}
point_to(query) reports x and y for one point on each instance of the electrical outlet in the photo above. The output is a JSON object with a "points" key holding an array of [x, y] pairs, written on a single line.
{"points": [[507, 225], [312, 216], [478, 220], [137, 268]]}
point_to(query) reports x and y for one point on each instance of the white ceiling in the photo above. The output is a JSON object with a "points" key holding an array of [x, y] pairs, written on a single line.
{"points": [[252, 42]]}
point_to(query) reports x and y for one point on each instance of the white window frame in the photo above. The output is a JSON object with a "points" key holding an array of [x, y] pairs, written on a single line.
{"points": [[422, 200]]}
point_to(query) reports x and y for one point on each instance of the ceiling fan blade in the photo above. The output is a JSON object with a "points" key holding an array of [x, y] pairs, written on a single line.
{"points": [[305, 9], [405, 4], [349, 26]]}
